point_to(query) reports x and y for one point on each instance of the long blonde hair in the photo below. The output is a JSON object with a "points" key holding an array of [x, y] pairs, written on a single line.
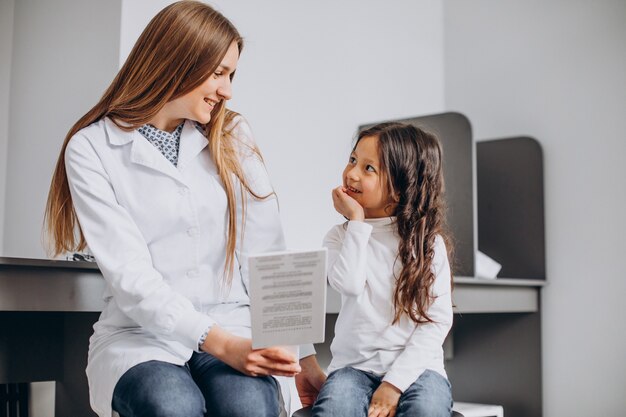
{"points": [[181, 46]]}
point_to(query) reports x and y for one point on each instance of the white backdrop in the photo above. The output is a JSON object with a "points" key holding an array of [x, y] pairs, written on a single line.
{"points": [[310, 74]]}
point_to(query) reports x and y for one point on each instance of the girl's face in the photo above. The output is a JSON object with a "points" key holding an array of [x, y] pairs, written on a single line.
{"points": [[365, 182], [199, 103]]}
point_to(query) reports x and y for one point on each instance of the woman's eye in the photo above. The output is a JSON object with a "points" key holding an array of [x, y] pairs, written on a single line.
{"points": [[217, 74], [352, 160], [370, 168]]}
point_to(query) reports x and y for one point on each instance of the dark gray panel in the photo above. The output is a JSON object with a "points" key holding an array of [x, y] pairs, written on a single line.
{"points": [[497, 360], [455, 134], [72, 391], [31, 346], [510, 205]]}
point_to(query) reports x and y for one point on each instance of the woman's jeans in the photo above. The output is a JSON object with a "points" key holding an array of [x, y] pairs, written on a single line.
{"points": [[347, 393], [203, 386]]}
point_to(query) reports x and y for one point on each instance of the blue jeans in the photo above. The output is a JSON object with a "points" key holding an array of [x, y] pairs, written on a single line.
{"points": [[205, 386], [347, 393]]}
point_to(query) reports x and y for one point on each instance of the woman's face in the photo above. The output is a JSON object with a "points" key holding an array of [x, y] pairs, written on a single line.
{"points": [[199, 103]]}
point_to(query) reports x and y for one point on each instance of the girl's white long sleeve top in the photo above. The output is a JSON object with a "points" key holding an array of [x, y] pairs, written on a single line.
{"points": [[362, 267]]}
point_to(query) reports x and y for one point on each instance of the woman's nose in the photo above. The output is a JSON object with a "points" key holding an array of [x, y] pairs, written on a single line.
{"points": [[225, 90]]}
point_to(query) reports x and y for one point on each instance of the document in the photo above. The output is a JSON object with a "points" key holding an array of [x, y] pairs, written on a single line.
{"points": [[288, 297]]}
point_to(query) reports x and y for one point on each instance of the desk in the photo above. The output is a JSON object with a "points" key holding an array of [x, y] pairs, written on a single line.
{"points": [[47, 309]]}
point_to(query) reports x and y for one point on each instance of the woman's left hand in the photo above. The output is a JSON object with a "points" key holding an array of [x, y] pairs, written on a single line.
{"points": [[384, 401]]}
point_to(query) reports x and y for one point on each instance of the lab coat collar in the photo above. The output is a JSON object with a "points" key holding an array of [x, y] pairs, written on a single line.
{"points": [[192, 142], [142, 152]]}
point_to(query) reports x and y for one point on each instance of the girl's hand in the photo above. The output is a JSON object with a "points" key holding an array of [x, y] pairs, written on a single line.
{"points": [[310, 380], [237, 353], [346, 205], [384, 401]]}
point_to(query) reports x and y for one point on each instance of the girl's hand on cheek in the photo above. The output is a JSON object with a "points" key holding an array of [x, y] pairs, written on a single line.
{"points": [[384, 401], [346, 205]]}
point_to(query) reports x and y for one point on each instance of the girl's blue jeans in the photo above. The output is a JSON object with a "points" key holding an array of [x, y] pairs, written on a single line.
{"points": [[347, 393], [203, 386]]}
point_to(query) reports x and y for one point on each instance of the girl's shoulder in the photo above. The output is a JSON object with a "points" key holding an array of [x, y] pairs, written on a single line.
{"points": [[335, 233]]}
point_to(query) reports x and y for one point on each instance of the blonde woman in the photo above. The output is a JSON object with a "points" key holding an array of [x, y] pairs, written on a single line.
{"points": [[169, 192]]}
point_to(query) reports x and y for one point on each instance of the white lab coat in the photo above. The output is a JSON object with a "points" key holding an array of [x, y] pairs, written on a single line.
{"points": [[158, 233]]}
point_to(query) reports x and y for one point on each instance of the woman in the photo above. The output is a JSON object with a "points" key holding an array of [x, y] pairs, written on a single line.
{"points": [[168, 190]]}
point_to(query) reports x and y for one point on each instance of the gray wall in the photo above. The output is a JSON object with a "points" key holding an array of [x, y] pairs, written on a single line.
{"points": [[6, 47], [556, 71], [65, 53]]}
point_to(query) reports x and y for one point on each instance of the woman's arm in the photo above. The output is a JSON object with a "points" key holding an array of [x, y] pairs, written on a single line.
{"points": [[237, 352], [122, 253], [138, 288]]}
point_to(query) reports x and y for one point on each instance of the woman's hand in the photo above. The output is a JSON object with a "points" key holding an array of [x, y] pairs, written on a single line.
{"points": [[237, 353], [310, 380], [346, 205], [384, 401]]}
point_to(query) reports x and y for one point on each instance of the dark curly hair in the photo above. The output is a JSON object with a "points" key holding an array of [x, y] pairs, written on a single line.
{"points": [[411, 160]]}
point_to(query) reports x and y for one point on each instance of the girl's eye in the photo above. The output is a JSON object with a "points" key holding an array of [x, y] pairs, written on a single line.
{"points": [[370, 168], [217, 74], [352, 160]]}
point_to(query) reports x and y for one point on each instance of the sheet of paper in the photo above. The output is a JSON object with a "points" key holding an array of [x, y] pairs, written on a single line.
{"points": [[288, 297]]}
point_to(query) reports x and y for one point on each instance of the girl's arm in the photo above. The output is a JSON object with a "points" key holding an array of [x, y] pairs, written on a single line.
{"points": [[347, 257], [427, 339]]}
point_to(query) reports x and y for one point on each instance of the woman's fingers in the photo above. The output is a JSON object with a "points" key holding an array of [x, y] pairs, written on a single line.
{"points": [[271, 361], [278, 354]]}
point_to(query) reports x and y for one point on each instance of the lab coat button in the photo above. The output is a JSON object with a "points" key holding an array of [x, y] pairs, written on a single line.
{"points": [[192, 273], [192, 231]]}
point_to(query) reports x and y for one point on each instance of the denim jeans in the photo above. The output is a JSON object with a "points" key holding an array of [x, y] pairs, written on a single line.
{"points": [[205, 386], [347, 393]]}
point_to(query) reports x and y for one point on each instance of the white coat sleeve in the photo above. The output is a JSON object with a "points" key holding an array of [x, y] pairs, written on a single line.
{"points": [[427, 339], [347, 257], [122, 254]]}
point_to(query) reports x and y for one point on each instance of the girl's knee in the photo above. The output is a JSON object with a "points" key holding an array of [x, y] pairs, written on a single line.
{"points": [[424, 408], [429, 396]]}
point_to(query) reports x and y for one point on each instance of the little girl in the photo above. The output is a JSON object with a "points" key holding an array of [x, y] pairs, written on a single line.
{"points": [[390, 264]]}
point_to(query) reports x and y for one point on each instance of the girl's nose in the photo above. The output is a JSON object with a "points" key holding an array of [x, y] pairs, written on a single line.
{"points": [[352, 174]]}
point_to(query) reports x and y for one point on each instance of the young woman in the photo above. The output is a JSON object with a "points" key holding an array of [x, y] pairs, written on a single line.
{"points": [[390, 264], [169, 192]]}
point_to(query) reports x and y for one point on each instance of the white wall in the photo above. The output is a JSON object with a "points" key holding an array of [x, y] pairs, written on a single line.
{"points": [[6, 49], [310, 74], [64, 55], [556, 71]]}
